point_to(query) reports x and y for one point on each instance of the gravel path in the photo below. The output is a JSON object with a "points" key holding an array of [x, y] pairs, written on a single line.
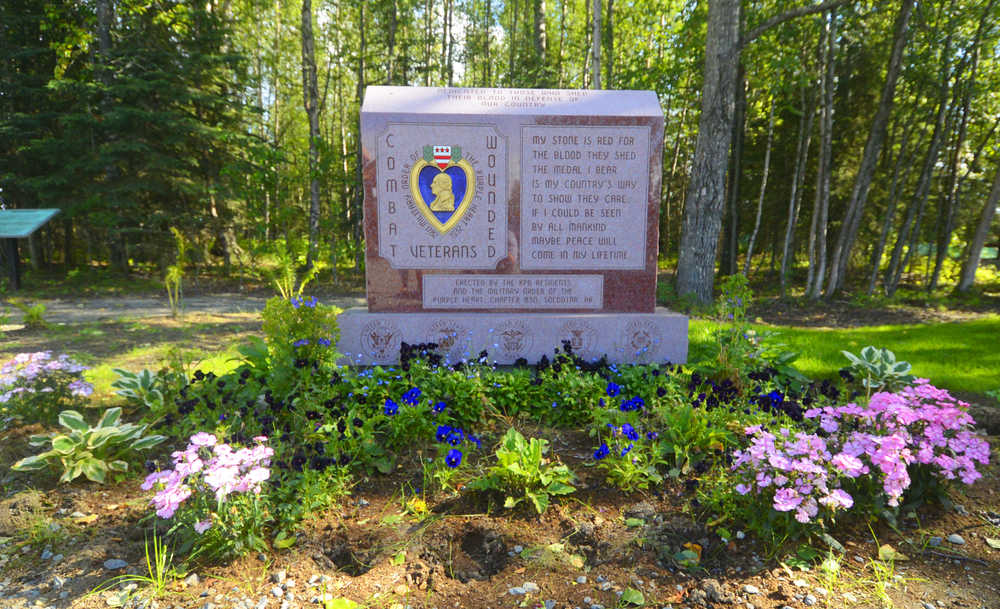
{"points": [[82, 310]]}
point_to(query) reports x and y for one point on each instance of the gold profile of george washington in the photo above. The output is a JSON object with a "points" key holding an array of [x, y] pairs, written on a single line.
{"points": [[444, 196]]}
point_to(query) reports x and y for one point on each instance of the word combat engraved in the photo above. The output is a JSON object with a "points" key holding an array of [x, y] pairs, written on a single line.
{"points": [[442, 196]]}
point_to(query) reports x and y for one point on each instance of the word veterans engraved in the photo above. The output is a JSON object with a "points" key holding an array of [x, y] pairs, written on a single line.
{"points": [[438, 205], [512, 220]]}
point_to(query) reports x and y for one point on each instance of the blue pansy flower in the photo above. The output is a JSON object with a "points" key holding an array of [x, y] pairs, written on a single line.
{"points": [[391, 407], [613, 389], [302, 342], [454, 458], [601, 452], [325, 342], [455, 437], [442, 432], [473, 439], [652, 435], [296, 302], [439, 407], [412, 396], [626, 450], [629, 432]]}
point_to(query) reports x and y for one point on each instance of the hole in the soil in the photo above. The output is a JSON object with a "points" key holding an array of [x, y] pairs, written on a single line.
{"points": [[353, 561], [485, 555]]}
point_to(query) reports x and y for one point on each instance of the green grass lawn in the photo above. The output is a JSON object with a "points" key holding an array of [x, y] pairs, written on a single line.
{"points": [[959, 356]]}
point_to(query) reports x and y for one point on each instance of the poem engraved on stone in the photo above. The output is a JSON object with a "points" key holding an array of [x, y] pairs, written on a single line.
{"points": [[584, 197]]}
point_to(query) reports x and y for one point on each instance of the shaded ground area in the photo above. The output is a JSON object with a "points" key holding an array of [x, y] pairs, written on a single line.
{"points": [[91, 309], [845, 314]]}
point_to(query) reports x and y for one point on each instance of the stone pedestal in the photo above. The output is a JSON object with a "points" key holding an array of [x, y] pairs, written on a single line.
{"points": [[510, 220], [374, 338]]}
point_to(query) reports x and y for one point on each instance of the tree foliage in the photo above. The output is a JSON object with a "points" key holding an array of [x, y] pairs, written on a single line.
{"points": [[160, 113]]}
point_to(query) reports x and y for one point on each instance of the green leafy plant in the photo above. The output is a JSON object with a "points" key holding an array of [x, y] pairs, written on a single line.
{"points": [[285, 276], [524, 473], [143, 388], [878, 369], [630, 465], [691, 434], [90, 451], [33, 314], [175, 273]]}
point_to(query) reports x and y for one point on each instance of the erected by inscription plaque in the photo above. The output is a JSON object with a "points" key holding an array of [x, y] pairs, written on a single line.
{"points": [[512, 220]]}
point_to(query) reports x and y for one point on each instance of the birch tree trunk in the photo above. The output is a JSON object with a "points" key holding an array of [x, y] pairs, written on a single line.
{"points": [[869, 158], [359, 193], [915, 209], [310, 100], [609, 35], [390, 73], [540, 44], [763, 189], [707, 189], [968, 275], [595, 78], [731, 221], [821, 203], [795, 198], [948, 225], [890, 212]]}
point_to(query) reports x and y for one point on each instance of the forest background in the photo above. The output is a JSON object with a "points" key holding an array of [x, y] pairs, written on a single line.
{"points": [[820, 145]]}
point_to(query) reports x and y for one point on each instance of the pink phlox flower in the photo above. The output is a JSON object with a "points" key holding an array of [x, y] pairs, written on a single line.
{"points": [[838, 498], [807, 510], [779, 461], [81, 388], [256, 477], [786, 500], [742, 488], [807, 466], [203, 439], [828, 424], [261, 454], [947, 465], [169, 499], [222, 479], [202, 526], [849, 464], [189, 466], [752, 430], [153, 478]]}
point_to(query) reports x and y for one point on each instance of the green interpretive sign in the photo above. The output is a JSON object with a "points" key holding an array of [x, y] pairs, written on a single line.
{"points": [[20, 223]]}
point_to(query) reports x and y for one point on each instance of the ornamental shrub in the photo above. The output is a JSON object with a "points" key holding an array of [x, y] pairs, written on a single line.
{"points": [[35, 387], [867, 457], [213, 497], [301, 329]]}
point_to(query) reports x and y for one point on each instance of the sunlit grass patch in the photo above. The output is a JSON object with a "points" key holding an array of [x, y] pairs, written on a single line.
{"points": [[958, 356]]}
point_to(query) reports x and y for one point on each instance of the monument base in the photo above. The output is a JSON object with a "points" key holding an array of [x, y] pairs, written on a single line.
{"points": [[374, 338]]}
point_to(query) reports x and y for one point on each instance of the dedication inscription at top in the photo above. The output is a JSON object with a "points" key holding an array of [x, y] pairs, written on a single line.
{"points": [[511, 199]]}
